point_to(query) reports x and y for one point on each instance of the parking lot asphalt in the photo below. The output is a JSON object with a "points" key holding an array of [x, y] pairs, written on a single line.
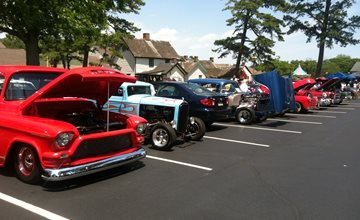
{"points": [[291, 167]]}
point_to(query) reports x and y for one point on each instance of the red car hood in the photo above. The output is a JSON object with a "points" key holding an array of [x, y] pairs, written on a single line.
{"points": [[300, 84], [94, 83], [329, 84]]}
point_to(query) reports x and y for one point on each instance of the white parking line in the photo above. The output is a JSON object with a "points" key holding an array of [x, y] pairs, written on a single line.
{"points": [[324, 111], [344, 108], [294, 121], [236, 141], [352, 106], [315, 116], [258, 128], [180, 163], [31, 208]]}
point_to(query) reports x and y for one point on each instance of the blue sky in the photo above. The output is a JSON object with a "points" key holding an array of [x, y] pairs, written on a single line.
{"points": [[192, 26]]}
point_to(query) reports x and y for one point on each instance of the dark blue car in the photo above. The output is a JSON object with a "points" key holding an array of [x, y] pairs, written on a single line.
{"points": [[204, 104], [246, 109]]}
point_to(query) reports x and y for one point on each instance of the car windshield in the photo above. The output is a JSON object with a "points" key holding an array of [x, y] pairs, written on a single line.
{"points": [[198, 90], [136, 90], [23, 85]]}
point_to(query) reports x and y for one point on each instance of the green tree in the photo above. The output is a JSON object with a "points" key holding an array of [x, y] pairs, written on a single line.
{"points": [[12, 42], [68, 21], [29, 20], [255, 30], [326, 21]]}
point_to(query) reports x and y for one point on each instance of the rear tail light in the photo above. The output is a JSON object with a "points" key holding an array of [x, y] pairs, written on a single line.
{"points": [[264, 89], [208, 102]]}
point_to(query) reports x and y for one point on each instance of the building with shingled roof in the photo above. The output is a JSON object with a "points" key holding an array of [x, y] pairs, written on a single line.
{"points": [[153, 60], [204, 68]]}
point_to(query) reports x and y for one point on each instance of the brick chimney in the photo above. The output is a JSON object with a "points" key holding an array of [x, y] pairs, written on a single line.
{"points": [[146, 36]]}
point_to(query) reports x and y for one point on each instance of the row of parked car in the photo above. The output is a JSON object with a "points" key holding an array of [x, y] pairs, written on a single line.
{"points": [[59, 124]]}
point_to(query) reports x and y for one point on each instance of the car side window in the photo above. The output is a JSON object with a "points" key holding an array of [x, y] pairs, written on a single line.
{"points": [[168, 91]]}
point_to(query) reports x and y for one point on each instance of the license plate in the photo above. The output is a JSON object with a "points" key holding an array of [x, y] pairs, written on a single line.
{"points": [[220, 104]]}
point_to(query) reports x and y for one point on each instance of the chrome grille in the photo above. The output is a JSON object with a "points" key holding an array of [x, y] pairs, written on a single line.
{"points": [[102, 146]]}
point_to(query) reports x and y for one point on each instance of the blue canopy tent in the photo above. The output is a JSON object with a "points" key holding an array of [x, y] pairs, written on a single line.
{"points": [[281, 92], [340, 76], [356, 74]]}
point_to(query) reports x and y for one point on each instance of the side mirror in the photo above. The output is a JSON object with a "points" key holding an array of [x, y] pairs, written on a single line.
{"points": [[120, 92]]}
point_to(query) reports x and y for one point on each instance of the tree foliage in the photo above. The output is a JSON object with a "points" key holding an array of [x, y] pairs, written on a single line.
{"points": [[326, 21], [12, 42], [61, 28], [340, 63], [255, 30]]}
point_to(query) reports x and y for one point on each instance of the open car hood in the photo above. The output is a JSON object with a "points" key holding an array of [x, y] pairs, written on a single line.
{"points": [[94, 83], [300, 84], [329, 84]]}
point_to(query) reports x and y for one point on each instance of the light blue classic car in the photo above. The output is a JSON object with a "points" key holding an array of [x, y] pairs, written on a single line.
{"points": [[168, 118]]}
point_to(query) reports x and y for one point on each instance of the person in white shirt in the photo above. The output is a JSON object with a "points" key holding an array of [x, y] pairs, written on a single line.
{"points": [[244, 86]]}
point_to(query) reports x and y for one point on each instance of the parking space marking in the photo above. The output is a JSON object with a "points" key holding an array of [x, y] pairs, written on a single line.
{"points": [[315, 116], [180, 163], [344, 108], [294, 121], [34, 209], [258, 128], [325, 111], [236, 141]]}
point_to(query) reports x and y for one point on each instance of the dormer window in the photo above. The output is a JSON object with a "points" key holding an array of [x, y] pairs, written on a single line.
{"points": [[151, 62]]}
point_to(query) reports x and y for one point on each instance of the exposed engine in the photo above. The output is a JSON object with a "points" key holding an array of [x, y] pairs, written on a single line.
{"points": [[155, 113], [89, 122], [81, 113]]}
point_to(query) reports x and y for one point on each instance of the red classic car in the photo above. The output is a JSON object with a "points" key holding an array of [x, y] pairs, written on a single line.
{"points": [[53, 125], [305, 103], [308, 86]]}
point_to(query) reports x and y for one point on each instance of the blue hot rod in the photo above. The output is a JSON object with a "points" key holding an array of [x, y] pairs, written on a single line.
{"points": [[168, 118]]}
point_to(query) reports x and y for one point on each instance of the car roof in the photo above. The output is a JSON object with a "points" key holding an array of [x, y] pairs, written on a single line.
{"points": [[137, 83], [210, 80]]}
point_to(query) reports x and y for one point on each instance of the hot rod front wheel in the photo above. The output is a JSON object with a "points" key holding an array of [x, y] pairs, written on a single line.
{"points": [[163, 137], [197, 129], [27, 164], [245, 116]]}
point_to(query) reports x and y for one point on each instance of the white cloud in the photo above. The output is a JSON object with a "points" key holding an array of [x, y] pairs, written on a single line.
{"points": [[228, 33], [208, 38], [166, 34]]}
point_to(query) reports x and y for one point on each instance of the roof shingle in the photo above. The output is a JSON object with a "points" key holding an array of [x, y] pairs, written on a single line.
{"points": [[151, 49]]}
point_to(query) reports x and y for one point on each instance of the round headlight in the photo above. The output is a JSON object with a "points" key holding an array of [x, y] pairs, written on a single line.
{"points": [[140, 128], [324, 95], [63, 139]]}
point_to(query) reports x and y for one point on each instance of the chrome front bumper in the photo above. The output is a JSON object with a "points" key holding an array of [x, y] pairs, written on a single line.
{"points": [[97, 166]]}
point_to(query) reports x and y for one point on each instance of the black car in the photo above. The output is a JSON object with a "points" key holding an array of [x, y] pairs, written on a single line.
{"points": [[204, 104]]}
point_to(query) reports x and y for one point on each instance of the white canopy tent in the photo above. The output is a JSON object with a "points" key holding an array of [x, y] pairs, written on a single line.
{"points": [[299, 71]]}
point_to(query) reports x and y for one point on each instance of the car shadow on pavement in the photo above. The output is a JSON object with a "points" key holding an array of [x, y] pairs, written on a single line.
{"points": [[6, 171], [272, 124], [216, 128], [92, 178]]}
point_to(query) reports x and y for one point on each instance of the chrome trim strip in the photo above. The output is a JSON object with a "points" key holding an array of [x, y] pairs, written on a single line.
{"points": [[97, 166]]}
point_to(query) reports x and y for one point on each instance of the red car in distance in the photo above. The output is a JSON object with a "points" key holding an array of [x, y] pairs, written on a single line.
{"points": [[309, 86], [54, 127]]}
